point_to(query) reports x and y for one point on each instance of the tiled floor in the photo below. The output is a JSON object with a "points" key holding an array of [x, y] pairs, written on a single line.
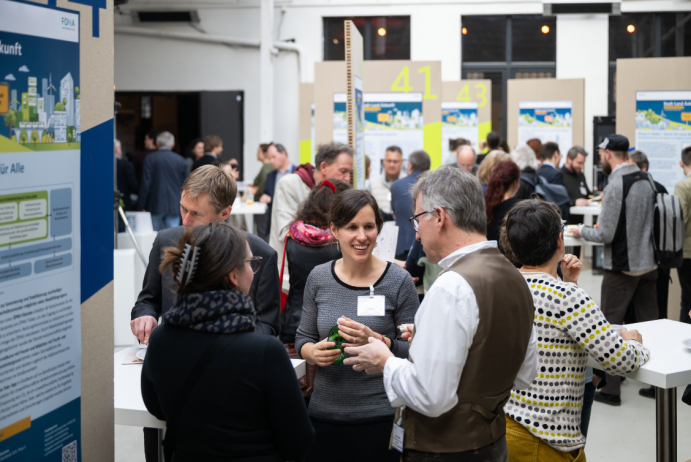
{"points": [[625, 433]]}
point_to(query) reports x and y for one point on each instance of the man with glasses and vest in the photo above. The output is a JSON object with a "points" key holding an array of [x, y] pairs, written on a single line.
{"points": [[473, 339]]}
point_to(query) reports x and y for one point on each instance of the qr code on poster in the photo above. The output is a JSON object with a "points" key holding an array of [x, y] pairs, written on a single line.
{"points": [[69, 452]]}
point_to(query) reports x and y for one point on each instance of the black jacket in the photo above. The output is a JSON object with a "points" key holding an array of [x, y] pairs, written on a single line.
{"points": [[158, 292], [270, 190], [301, 260], [525, 190], [164, 173], [246, 406], [574, 182], [551, 174], [206, 159], [126, 181]]}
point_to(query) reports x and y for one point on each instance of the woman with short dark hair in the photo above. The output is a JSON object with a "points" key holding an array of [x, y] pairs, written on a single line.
{"points": [[350, 300], [543, 422], [499, 198], [225, 392]]}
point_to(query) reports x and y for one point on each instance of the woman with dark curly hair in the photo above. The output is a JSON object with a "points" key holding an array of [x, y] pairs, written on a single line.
{"points": [[504, 181]]}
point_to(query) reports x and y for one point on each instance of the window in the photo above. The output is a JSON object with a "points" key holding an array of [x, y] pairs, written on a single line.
{"points": [[384, 37], [499, 48], [646, 35]]}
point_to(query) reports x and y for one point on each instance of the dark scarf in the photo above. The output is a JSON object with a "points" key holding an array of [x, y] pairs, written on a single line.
{"points": [[306, 174], [218, 312]]}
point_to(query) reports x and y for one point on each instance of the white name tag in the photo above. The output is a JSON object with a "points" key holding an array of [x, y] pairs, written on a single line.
{"points": [[371, 305], [584, 191], [397, 438]]}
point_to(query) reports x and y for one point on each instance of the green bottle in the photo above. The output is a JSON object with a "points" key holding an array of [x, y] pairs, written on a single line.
{"points": [[334, 336]]}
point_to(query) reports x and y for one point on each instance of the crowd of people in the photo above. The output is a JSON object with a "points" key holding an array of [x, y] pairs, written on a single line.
{"points": [[471, 345]]}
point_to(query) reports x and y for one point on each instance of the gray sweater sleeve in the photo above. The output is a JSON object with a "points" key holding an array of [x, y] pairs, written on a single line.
{"points": [[308, 331], [609, 217]]}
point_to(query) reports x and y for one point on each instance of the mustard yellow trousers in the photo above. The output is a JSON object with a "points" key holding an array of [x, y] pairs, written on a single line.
{"points": [[524, 447]]}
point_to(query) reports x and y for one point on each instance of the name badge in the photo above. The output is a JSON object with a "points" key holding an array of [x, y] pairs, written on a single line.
{"points": [[373, 305], [584, 191], [397, 437]]}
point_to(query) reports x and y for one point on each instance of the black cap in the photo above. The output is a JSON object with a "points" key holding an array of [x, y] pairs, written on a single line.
{"points": [[615, 142]]}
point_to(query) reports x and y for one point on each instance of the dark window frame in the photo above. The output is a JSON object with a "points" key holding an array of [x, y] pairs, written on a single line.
{"points": [[367, 37]]}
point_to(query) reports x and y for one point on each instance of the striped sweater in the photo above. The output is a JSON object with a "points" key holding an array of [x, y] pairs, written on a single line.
{"points": [[570, 327]]}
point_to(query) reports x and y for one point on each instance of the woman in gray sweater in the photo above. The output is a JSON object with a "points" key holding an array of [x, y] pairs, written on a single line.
{"points": [[349, 410]]}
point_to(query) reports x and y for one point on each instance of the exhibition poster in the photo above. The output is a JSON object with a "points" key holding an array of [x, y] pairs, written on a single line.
{"points": [[663, 129], [459, 120], [547, 121], [40, 326], [359, 135], [390, 119]]}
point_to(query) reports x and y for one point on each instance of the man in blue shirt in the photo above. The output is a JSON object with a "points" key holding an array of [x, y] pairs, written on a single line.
{"points": [[402, 201]]}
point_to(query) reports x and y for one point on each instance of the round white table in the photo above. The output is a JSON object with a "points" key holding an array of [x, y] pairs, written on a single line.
{"points": [[249, 211], [669, 367], [594, 209]]}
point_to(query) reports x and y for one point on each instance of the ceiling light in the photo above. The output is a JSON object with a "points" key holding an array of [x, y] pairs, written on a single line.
{"points": [[464, 31], [545, 29], [381, 31], [336, 41], [631, 28]]}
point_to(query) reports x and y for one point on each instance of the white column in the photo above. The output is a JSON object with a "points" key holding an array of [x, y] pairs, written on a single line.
{"points": [[583, 52], [266, 72]]}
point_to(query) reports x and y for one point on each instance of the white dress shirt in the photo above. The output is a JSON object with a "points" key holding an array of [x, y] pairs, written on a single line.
{"points": [[445, 325]]}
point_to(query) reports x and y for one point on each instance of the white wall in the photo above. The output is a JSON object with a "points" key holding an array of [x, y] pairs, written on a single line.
{"points": [[583, 52]]}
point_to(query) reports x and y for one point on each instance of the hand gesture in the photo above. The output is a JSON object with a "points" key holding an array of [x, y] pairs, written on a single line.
{"points": [[571, 268], [324, 357], [354, 333], [581, 202], [631, 335], [370, 358], [142, 328]]}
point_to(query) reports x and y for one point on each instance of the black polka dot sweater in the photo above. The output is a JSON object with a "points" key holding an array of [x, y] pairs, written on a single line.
{"points": [[569, 326]]}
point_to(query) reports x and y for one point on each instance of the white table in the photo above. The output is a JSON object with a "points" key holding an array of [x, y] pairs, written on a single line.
{"points": [[594, 209], [129, 405], [669, 367], [249, 211]]}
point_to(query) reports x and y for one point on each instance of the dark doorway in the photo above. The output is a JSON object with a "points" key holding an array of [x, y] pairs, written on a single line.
{"points": [[187, 115]]}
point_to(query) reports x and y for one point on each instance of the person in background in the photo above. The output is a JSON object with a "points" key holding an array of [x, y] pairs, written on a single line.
{"points": [[206, 196], [380, 186], [194, 152], [683, 191], [465, 159], [126, 182], [278, 156], [500, 197], [663, 274], [490, 144], [454, 146], [349, 410], [473, 337], [525, 158], [310, 244], [233, 167], [333, 160], [625, 227], [368, 171], [576, 185], [485, 170], [549, 152], [401, 201], [213, 147], [504, 146], [139, 157], [261, 221], [536, 145], [549, 428], [213, 307], [164, 173]]}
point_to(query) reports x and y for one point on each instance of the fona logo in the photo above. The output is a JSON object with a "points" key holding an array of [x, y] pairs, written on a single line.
{"points": [[68, 22]]}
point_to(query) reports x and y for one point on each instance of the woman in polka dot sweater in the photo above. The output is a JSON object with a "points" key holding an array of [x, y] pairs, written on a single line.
{"points": [[543, 422]]}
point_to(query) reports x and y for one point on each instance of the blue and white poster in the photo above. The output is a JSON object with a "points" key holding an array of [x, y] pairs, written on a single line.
{"points": [[40, 327], [390, 119], [546, 121], [663, 129], [458, 120]]}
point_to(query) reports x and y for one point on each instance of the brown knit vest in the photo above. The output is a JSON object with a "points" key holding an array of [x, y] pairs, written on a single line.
{"points": [[494, 359]]}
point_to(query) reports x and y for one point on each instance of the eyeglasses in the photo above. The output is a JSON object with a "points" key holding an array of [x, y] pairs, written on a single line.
{"points": [[233, 166], [255, 263], [414, 222]]}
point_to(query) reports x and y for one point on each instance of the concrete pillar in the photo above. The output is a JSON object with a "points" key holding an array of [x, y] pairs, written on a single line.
{"points": [[266, 71]]}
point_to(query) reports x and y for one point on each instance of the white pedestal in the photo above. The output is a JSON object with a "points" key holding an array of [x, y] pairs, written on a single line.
{"points": [[124, 295]]}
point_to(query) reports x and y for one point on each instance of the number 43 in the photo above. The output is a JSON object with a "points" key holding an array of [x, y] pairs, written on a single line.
{"points": [[402, 82]]}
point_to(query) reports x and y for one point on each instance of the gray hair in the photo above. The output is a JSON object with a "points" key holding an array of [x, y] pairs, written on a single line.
{"points": [[466, 146], [165, 140], [419, 161], [575, 151], [524, 157], [117, 144], [456, 191]]}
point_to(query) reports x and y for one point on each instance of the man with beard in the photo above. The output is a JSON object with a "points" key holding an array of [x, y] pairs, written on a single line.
{"points": [[625, 226], [575, 183]]}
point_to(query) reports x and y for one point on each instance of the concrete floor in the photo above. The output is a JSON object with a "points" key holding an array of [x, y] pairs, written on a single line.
{"points": [[616, 433]]}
